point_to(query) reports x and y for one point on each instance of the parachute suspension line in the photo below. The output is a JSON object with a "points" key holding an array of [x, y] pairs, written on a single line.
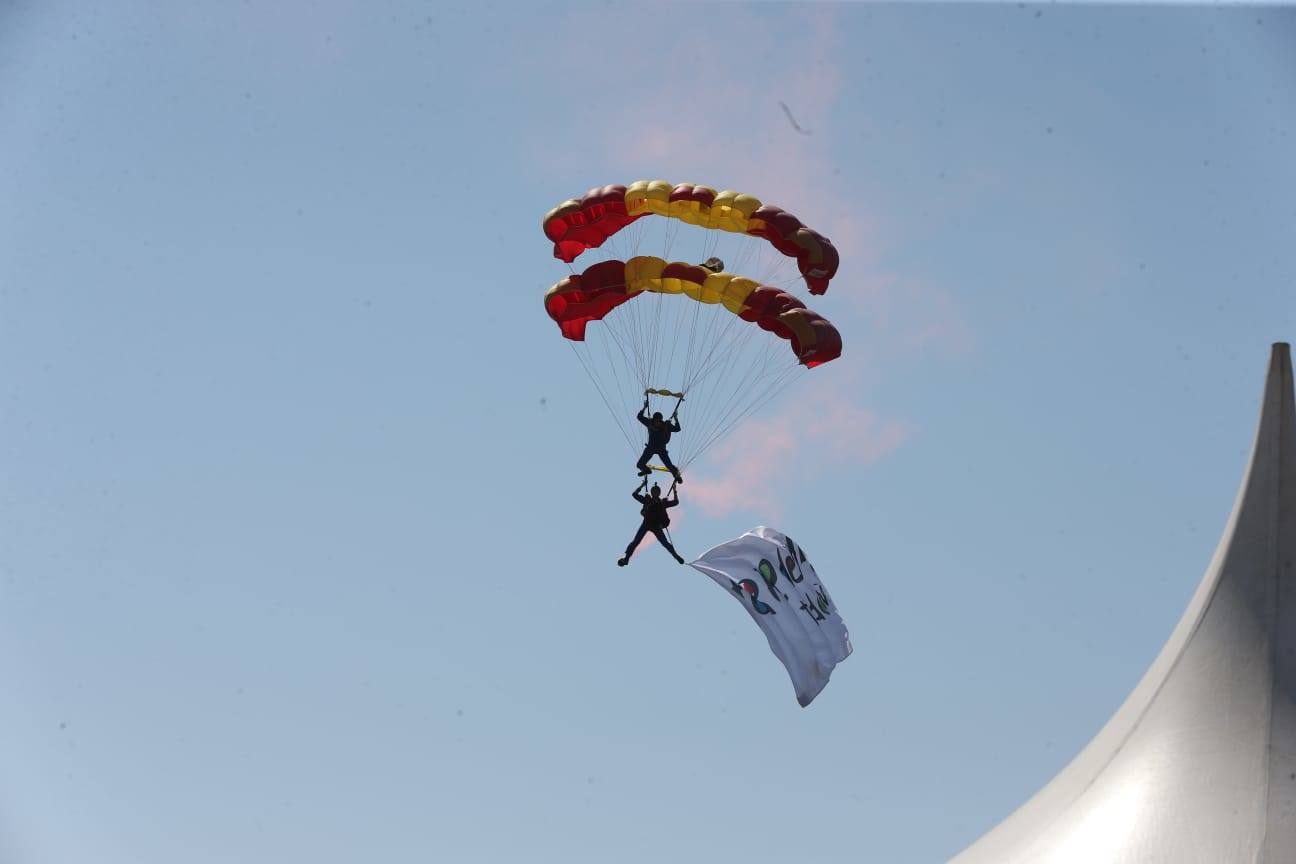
{"points": [[780, 384], [615, 417], [675, 335], [719, 342], [716, 386], [640, 338], [773, 387], [768, 269], [727, 345], [694, 315], [623, 382], [688, 353], [747, 390], [743, 255], [663, 374], [653, 337], [589, 366], [657, 342], [615, 242], [710, 245], [630, 358], [746, 381], [710, 387], [707, 339], [635, 316], [670, 231], [654, 316], [644, 333], [780, 379], [613, 364], [694, 347], [703, 389]]}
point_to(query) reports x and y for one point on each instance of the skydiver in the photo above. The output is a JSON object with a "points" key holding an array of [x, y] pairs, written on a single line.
{"points": [[715, 265], [659, 434], [655, 520]]}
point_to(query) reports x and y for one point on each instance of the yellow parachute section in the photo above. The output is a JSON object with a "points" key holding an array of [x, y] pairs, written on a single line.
{"points": [[646, 273], [705, 207]]}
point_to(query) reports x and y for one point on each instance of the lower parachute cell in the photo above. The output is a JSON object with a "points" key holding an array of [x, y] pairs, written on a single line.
{"points": [[593, 294]]}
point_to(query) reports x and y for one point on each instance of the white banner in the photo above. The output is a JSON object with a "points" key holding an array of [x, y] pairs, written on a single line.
{"points": [[773, 579]]}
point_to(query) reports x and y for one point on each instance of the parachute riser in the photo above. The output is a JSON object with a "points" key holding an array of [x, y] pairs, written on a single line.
{"points": [[679, 397]]}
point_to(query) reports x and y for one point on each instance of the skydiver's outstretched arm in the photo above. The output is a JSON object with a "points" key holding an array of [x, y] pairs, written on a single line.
{"points": [[673, 501], [674, 424], [635, 494]]}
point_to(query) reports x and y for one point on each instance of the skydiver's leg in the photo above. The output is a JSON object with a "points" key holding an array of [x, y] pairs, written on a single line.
{"points": [[639, 535], [661, 538], [642, 464], [670, 466]]}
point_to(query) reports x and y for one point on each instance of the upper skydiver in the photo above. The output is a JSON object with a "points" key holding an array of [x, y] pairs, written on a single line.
{"points": [[659, 434], [655, 520]]}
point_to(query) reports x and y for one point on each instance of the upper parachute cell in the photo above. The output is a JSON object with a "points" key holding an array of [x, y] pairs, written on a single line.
{"points": [[585, 223]]}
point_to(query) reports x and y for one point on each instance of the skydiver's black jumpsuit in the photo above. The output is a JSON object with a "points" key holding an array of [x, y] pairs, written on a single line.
{"points": [[655, 519], [659, 434]]}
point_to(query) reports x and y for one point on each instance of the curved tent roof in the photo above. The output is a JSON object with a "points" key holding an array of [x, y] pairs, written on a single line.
{"points": [[1199, 765]]}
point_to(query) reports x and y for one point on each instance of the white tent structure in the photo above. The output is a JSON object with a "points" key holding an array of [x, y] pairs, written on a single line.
{"points": [[1199, 765]]}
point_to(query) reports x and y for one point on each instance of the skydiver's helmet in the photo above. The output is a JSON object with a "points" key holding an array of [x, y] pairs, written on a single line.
{"points": [[656, 491], [715, 265], [657, 415]]}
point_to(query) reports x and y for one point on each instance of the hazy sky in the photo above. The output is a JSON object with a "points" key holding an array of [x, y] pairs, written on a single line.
{"points": [[296, 565]]}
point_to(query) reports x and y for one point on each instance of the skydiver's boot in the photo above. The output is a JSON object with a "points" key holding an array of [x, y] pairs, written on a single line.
{"points": [[623, 561], [679, 478], [644, 472]]}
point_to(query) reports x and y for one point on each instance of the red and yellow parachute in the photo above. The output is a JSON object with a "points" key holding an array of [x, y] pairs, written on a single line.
{"points": [[729, 342]]}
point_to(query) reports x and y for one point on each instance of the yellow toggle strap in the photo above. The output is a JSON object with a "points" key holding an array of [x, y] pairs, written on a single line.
{"points": [[662, 468], [664, 393]]}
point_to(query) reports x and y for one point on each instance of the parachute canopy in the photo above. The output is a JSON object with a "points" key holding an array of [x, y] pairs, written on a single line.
{"points": [[774, 581], [587, 222], [591, 295], [672, 317]]}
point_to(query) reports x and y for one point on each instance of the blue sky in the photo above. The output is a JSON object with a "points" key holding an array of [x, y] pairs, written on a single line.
{"points": [[295, 565]]}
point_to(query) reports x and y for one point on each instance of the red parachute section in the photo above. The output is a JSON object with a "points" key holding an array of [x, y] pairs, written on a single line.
{"points": [[598, 214], [814, 339], [580, 299], [816, 257]]}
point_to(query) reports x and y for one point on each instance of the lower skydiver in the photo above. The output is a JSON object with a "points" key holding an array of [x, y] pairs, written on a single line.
{"points": [[655, 520]]}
